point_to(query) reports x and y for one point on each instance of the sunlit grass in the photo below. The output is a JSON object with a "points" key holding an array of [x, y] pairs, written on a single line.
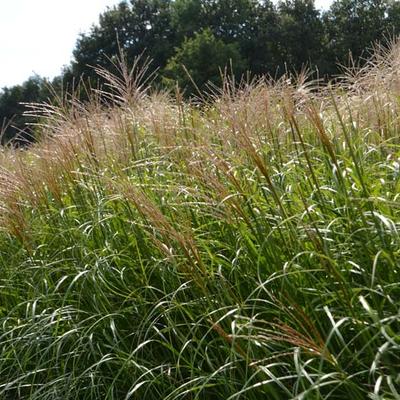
{"points": [[247, 248]]}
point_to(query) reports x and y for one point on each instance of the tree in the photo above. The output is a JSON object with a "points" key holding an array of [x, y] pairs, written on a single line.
{"points": [[250, 24], [12, 107], [300, 34], [262, 49], [352, 27], [204, 57], [188, 17], [229, 20], [142, 26], [393, 17]]}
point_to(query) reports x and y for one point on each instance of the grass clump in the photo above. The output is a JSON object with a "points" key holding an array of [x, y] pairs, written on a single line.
{"points": [[244, 248]]}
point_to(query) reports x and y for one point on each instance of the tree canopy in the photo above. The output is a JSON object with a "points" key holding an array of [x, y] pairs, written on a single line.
{"points": [[200, 60]]}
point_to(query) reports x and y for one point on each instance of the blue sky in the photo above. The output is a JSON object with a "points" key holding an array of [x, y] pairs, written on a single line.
{"points": [[38, 36]]}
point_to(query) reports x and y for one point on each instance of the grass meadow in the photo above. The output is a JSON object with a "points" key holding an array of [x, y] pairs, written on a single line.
{"points": [[241, 245]]}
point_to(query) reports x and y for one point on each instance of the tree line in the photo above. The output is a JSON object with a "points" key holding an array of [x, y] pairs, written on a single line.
{"points": [[189, 41]]}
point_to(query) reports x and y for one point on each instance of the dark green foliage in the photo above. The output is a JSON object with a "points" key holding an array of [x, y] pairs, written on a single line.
{"points": [[187, 17], [136, 28], [262, 48], [202, 59], [353, 26], [300, 34], [12, 106]]}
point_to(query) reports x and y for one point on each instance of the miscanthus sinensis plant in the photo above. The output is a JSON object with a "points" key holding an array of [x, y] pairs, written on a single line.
{"points": [[242, 246]]}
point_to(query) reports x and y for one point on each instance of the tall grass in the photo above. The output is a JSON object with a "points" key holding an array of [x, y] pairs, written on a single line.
{"points": [[246, 247]]}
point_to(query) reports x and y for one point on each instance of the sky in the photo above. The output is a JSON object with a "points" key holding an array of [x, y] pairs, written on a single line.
{"points": [[323, 4], [38, 36]]}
